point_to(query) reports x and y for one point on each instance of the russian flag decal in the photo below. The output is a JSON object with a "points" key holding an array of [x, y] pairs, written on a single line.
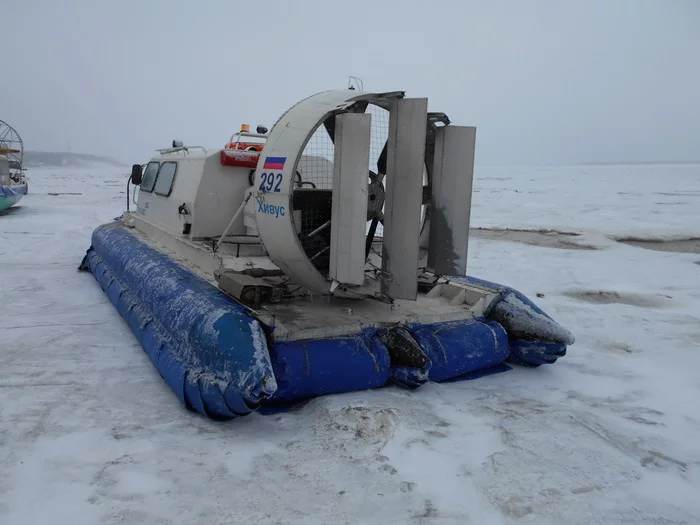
{"points": [[274, 163]]}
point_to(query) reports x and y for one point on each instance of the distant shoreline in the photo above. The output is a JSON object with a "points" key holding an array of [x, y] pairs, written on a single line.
{"points": [[640, 163], [587, 164], [58, 159]]}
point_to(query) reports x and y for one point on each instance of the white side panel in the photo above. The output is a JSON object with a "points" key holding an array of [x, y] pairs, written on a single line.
{"points": [[453, 173], [220, 193], [404, 193], [349, 211], [212, 193], [163, 211]]}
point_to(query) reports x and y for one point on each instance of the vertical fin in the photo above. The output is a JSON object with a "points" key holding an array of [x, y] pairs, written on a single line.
{"points": [[349, 209], [404, 192], [453, 173]]}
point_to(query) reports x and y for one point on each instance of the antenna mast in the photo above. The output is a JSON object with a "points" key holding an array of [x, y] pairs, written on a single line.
{"points": [[355, 83]]}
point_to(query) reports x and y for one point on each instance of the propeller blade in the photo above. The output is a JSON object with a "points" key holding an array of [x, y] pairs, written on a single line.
{"points": [[370, 235], [329, 124], [381, 161], [376, 177], [360, 107]]}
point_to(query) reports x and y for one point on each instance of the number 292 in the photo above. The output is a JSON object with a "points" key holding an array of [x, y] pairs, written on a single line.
{"points": [[270, 181]]}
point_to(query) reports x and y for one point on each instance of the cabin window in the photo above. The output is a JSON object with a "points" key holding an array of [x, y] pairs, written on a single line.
{"points": [[149, 176], [166, 177]]}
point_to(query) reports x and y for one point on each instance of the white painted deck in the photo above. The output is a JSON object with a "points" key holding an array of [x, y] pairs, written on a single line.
{"points": [[305, 316]]}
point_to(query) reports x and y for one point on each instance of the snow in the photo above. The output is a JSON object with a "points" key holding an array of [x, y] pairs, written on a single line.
{"points": [[263, 364], [89, 433], [521, 320]]}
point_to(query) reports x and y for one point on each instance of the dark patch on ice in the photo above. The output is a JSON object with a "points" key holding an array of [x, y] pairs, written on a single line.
{"points": [[689, 245], [678, 193], [64, 193], [360, 427], [642, 420], [632, 299], [619, 346], [697, 262], [407, 486], [545, 238], [388, 468], [550, 492], [429, 510], [11, 210], [586, 489], [28, 233], [415, 441], [661, 460], [516, 507]]}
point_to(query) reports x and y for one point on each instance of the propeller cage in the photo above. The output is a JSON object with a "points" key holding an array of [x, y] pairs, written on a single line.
{"points": [[320, 237]]}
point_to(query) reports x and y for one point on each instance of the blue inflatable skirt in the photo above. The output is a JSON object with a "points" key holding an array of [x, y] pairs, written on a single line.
{"points": [[220, 361]]}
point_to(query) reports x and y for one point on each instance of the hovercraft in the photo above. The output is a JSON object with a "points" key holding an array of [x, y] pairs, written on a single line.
{"points": [[327, 255], [13, 183]]}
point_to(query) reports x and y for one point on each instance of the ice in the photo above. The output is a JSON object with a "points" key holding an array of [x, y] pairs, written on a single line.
{"points": [[89, 432]]}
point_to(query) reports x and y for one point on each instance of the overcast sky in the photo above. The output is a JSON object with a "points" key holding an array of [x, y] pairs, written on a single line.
{"points": [[545, 81]]}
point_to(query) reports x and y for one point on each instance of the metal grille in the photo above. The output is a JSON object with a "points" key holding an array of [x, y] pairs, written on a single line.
{"points": [[11, 145], [315, 167], [315, 170], [379, 134], [316, 164], [316, 246]]}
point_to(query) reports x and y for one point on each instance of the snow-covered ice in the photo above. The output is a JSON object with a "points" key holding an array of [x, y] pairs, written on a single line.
{"points": [[89, 433]]}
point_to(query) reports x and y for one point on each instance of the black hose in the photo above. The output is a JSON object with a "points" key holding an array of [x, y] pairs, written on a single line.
{"points": [[127, 192]]}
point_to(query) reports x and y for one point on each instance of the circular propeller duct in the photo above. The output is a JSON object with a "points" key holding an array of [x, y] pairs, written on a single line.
{"points": [[297, 182]]}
